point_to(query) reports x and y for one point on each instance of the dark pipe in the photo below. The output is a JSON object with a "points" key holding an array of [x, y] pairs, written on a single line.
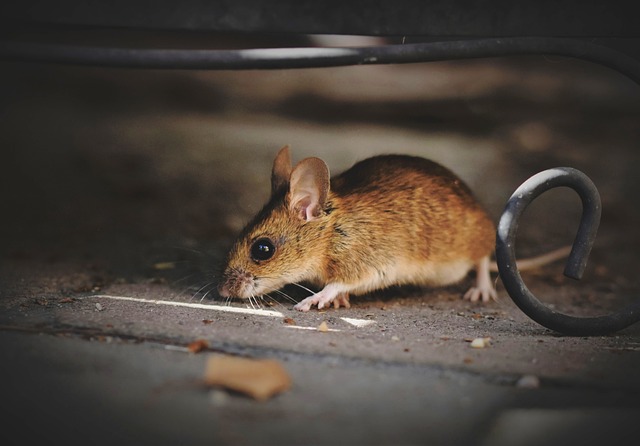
{"points": [[280, 58]]}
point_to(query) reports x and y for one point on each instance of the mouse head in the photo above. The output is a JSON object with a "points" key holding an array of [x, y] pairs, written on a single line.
{"points": [[283, 243]]}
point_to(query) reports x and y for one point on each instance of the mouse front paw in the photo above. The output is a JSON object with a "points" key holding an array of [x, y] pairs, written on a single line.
{"points": [[317, 299], [305, 305], [323, 299]]}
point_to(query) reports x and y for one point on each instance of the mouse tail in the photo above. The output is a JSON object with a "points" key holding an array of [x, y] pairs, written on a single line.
{"points": [[538, 261]]}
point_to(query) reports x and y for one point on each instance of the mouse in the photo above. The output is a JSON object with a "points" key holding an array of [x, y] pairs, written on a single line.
{"points": [[389, 220]]}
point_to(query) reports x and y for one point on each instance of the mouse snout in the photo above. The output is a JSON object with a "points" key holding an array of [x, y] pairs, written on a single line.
{"points": [[223, 290], [236, 283]]}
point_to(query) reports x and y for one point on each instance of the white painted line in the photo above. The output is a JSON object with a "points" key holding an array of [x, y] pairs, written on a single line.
{"points": [[194, 305], [176, 348], [297, 327], [228, 309], [358, 322]]}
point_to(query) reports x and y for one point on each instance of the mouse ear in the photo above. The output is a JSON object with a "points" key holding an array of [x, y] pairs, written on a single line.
{"points": [[281, 170], [308, 188]]}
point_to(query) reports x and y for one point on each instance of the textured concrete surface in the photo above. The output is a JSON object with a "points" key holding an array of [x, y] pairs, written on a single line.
{"points": [[133, 183]]}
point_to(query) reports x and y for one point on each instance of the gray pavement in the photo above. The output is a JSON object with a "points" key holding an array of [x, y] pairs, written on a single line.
{"points": [[132, 184]]}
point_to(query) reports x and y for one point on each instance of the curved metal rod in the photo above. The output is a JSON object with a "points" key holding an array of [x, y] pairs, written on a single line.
{"points": [[279, 58], [585, 237]]}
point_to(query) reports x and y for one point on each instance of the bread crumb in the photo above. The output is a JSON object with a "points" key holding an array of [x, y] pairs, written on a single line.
{"points": [[260, 379], [480, 342]]}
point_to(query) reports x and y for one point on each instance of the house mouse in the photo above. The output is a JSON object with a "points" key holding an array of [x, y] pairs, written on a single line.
{"points": [[388, 220]]}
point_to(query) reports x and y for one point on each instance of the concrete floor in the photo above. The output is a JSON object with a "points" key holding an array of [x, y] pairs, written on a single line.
{"points": [[133, 183]]}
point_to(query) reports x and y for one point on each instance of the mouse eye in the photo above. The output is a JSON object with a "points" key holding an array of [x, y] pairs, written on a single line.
{"points": [[262, 249]]}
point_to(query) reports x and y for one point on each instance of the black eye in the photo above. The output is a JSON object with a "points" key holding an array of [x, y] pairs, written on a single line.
{"points": [[262, 249]]}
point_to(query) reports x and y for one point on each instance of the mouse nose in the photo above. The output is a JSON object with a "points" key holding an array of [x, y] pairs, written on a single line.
{"points": [[223, 290]]}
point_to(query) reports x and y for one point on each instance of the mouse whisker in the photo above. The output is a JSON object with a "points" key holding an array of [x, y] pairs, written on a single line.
{"points": [[203, 287], [186, 288], [304, 288], [285, 295], [205, 294], [272, 299], [211, 287], [183, 279]]}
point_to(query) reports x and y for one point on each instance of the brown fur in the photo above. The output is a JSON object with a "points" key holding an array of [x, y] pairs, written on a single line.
{"points": [[383, 213]]}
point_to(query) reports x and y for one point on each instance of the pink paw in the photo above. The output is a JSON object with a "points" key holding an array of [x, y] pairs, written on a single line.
{"points": [[323, 299], [485, 294]]}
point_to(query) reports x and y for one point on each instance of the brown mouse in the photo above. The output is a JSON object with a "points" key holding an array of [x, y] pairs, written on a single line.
{"points": [[388, 220]]}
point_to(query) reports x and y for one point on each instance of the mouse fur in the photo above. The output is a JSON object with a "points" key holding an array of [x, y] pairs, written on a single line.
{"points": [[388, 220]]}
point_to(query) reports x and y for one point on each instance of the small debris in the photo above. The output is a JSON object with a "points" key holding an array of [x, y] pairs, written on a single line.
{"points": [[528, 382], [323, 327], [480, 342], [258, 379], [207, 321], [99, 306], [395, 338], [66, 300], [289, 321], [198, 345], [162, 266], [219, 397]]}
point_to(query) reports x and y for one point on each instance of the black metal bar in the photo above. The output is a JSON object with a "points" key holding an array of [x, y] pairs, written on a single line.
{"points": [[470, 18], [585, 237], [280, 58]]}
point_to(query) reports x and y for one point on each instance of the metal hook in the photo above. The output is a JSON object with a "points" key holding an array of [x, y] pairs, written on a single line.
{"points": [[576, 263]]}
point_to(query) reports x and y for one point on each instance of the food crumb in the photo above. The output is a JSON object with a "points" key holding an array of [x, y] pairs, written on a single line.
{"points": [[219, 397], [198, 345], [323, 327], [528, 382], [161, 266], [480, 342], [260, 379]]}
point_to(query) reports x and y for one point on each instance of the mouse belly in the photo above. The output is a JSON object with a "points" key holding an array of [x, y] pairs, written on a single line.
{"points": [[413, 273]]}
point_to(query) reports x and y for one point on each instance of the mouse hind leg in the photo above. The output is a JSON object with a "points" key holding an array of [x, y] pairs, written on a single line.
{"points": [[484, 289]]}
